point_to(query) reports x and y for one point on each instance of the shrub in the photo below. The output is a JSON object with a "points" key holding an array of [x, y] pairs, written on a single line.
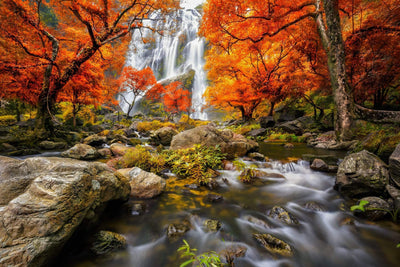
{"points": [[197, 163], [244, 129], [7, 120], [144, 159], [147, 126]]}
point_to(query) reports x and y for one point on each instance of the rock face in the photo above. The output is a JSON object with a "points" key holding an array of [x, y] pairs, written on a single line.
{"points": [[234, 145], [257, 132], [274, 245], [394, 166], [54, 197], [107, 242], [95, 140], [376, 208], [82, 152], [281, 214], [362, 174], [163, 136], [143, 184]]}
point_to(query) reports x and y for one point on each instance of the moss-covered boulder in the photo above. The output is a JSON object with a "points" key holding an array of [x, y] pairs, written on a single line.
{"points": [[212, 225], [82, 152], [274, 245], [394, 166], [375, 209], [163, 136], [281, 214], [106, 242], [362, 174]]}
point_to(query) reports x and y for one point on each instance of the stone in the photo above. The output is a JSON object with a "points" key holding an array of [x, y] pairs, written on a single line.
{"points": [[394, 166], [324, 140], [118, 138], [143, 184], [56, 197], [362, 174], [267, 122], [23, 152], [257, 156], [314, 206], [95, 140], [281, 214], [214, 198], [320, 165], [288, 146], [50, 145], [82, 152], [105, 153], [329, 159], [249, 176], [176, 230], [375, 209], [274, 245], [234, 145], [394, 193], [257, 132], [212, 225], [119, 150], [107, 242], [163, 136], [257, 221], [6, 147]]}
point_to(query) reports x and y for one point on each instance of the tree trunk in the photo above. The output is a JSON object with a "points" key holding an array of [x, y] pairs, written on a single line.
{"points": [[271, 109], [332, 40], [74, 115]]}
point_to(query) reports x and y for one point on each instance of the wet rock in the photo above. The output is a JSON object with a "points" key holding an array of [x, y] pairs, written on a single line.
{"points": [[281, 214], [212, 225], [257, 132], [394, 193], [56, 197], [118, 138], [107, 242], [143, 184], [212, 184], [23, 152], [138, 209], [257, 221], [288, 145], [119, 150], [233, 145], [375, 209], [95, 140], [330, 160], [233, 252], [50, 145], [362, 174], [314, 206], [214, 198], [250, 176], [105, 153], [163, 136], [257, 156], [267, 122], [320, 165], [274, 245], [394, 166], [176, 230], [82, 152], [6, 147], [293, 127]]}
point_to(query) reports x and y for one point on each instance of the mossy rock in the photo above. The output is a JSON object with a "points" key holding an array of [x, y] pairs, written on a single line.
{"points": [[107, 242], [274, 245], [382, 143]]}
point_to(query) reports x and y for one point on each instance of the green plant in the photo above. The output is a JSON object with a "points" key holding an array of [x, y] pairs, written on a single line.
{"points": [[239, 165], [398, 245], [248, 175], [361, 206], [144, 159], [197, 162], [209, 259]]}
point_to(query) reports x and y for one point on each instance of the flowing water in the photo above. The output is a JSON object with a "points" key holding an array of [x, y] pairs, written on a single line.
{"points": [[171, 56], [322, 238]]}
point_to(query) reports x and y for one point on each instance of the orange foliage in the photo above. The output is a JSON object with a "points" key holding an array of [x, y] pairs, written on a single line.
{"points": [[176, 98]]}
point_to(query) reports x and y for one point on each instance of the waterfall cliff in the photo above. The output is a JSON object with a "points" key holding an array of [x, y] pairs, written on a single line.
{"points": [[176, 55]]}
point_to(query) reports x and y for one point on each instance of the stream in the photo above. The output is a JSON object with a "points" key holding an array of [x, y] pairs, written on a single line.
{"points": [[322, 238]]}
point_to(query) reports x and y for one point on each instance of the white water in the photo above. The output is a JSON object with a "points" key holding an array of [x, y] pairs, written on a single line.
{"points": [[171, 56]]}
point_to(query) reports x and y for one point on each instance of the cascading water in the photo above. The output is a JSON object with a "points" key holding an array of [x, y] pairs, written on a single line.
{"points": [[172, 56]]}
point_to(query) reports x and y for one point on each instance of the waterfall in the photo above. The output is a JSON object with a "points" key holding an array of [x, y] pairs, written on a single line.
{"points": [[175, 55]]}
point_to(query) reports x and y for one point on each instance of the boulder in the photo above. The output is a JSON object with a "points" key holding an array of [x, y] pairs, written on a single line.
{"points": [[214, 198], [95, 140], [324, 140], [105, 153], [119, 150], [6, 147], [281, 214], [50, 145], [163, 136], [53, 199], [274, 245], [394, 193], [257, 156], [23, 152], [288, 145], [82, 152], [362, 174], [143, 184], [107, 242], [257, 132], [250, 176], [212, 225], [375, 209], [394, 166], [234, 145], [320, 165], [257, 221], [176, 230], [329, 159], [267, 122], [292, 127]]}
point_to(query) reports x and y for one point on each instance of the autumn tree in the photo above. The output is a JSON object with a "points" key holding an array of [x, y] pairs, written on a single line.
{"points": [[254, 20], [55, 39], [176, 99], [137, 83]]}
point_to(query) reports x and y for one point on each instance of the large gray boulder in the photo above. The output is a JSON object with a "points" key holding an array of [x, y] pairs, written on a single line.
{"points": [[143, 184], [53, 199], [95, 140], [234, 145], [394, 165], [362, 174], [82, 152], [163, 136]]}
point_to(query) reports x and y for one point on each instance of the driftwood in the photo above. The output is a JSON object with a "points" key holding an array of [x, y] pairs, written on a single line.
{"points": [[377, 116]]}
